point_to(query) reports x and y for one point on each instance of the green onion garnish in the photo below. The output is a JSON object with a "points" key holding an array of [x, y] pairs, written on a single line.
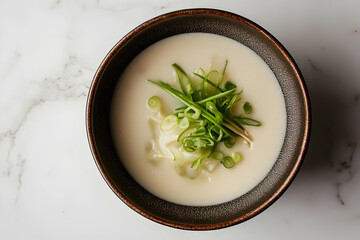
{"points": [[184, 123], [154, 103], [247, 108], [169, 122], [192, 112], [205, 120], [230, 141], [229, 85], [236, 156], [228, 162], [217, 155]]}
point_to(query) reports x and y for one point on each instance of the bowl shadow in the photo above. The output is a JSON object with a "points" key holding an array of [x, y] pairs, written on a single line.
{"points": [[333, 143]]}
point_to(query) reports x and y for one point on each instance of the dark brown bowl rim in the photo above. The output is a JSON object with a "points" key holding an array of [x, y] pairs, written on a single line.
{"points": [[214, 12]]}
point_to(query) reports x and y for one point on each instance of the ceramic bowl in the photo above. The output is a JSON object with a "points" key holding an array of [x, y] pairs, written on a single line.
{"points": [[193, 217]]}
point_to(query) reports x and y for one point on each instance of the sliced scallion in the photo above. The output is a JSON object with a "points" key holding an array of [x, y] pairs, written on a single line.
{"points": [[192, 112], [230, 141], [228, 162], [247, 108], [168, 122], [217, 155], [184, 123], [236, 156], [229, 85], [215, 133], [153, 103]]}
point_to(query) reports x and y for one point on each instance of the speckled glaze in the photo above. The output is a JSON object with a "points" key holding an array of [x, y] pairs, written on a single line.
{"points": [[243, 207]]}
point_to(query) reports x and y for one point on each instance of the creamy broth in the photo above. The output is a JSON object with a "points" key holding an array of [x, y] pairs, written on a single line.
{"points": [[132, 132]]}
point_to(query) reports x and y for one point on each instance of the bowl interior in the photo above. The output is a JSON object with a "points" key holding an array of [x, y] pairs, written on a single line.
{"points": [[208, 21]]}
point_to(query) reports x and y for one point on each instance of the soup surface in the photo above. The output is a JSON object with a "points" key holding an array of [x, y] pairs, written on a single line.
{"points": [[134, 130]]}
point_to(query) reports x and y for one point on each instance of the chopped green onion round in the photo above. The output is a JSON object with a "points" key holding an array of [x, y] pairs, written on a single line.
{"points": [[169, 122], [215, 133], [180, 115], [192, 112], [236, 156], [153, 103], [217, 155], [247, 108], [230, 141], [229, 85], [228, 162], [184, 123]]}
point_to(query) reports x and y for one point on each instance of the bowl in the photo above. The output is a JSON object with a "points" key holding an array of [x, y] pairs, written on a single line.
{"points": [[199, 217]]}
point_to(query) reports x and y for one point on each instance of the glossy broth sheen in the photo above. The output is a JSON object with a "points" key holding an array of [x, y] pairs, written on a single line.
{"points": [[132, 134]]}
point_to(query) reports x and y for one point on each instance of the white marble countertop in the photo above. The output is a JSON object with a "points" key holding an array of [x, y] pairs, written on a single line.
{"points": [[50, 187]]}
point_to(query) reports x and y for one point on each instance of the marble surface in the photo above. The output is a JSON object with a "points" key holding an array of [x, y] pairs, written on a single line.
{"points": [[50, 187]]}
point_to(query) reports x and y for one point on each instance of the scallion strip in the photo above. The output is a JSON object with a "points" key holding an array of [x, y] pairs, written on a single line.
{"points": [[213, 109], [183, 132], [188, 102], [189, 89], [198, 161], [219, 95], [248, 121], [208, 81], [223, 73]]}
